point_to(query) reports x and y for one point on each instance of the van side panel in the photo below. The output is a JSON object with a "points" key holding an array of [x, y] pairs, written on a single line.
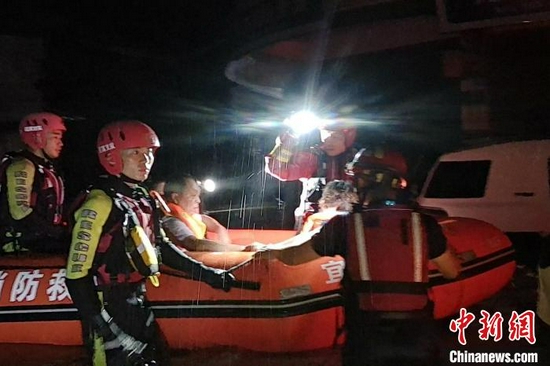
{"points": [[517, 192]]}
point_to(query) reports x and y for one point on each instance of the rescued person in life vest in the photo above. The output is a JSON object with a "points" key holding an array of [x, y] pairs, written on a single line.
{"points": [[387, 246], [187, 227], [338, 198], [314, 166], [116, 242], [31, 189]]}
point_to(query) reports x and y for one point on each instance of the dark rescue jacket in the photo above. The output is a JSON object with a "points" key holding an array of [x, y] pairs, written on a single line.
{"points": [[44, 203], [111, 264], [98, 260]]}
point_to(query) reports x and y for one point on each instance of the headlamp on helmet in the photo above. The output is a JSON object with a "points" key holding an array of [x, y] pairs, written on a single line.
{"points": [[378, 168]]}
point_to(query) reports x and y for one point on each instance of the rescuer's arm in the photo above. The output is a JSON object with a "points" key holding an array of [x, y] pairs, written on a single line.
{"points": [[20, 177], [213, 226], [182, 236], [90, 220], [177, 259], [285, 163], [204, 245], [438, 251], [330, 241]]}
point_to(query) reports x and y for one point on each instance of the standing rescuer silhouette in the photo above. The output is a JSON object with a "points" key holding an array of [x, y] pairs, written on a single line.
{"points": [[387, 246], [32, 190], [116, 245]]}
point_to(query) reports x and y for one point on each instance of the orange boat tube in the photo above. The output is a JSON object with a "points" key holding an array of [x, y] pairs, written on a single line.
{"points": [[284, 301]]}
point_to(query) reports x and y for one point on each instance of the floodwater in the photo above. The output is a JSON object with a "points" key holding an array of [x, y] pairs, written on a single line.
{"points": [[519, 295]]}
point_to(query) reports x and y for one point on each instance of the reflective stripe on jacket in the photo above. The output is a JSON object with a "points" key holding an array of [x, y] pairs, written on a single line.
{"points": [[388, 259]]}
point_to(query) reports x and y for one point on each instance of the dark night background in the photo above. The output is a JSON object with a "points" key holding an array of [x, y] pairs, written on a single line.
{"points": [[159, 62], [163, 62]]}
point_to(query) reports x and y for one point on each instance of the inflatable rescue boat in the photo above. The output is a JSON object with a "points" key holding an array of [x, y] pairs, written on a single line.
{"points": [[277, 305]]}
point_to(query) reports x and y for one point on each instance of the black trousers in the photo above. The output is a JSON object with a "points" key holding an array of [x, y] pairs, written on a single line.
{"points": [[373, 339], [127, 306]]}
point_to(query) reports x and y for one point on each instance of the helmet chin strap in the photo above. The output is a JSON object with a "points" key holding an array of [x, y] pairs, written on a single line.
{"points": [[127, 179]]}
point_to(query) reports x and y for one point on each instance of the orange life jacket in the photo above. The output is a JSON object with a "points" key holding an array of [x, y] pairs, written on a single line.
{"points": [[388, 260], [193, 222]]}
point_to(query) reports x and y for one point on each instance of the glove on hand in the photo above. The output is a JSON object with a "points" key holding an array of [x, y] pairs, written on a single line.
{"points": [[223, 280], [114, 337]]}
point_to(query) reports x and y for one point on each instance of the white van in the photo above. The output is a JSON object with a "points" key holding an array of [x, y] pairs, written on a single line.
{"points": [[505, 184]]}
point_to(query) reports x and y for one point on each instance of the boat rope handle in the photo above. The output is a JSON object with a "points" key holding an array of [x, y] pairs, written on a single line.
{"points": [[245, 285]]}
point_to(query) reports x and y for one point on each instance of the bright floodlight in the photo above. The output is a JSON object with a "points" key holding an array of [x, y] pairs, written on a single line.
{"points": [[303, 122], [209, 185]]}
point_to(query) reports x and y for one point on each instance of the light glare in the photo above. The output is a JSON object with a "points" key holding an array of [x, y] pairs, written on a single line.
{"points": [[209, 185], [303, 122]]}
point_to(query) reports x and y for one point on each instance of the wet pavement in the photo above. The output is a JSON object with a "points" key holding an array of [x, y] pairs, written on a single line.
{"points": [[518, 296]]}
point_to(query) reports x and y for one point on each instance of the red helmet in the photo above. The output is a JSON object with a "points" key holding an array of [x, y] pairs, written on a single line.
{"points": [[378, 163], [35, 127], [350, 132], [121, 135], [378, 158]]}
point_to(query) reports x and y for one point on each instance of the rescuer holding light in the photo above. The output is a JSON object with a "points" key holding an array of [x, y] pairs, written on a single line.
{"points": [[314, 166]]}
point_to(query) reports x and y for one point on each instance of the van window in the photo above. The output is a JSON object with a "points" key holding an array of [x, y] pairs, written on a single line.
{"points": [[459, 179]]}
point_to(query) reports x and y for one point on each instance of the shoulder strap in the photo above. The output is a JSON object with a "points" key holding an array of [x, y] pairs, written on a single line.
{"points": [[153, 200], [159, 205]]}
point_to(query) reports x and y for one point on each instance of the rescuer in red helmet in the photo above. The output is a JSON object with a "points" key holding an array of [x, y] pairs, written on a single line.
{"points": [[31, 189], [314, 166], [387, 246], [378, 176], [117, 244]]}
